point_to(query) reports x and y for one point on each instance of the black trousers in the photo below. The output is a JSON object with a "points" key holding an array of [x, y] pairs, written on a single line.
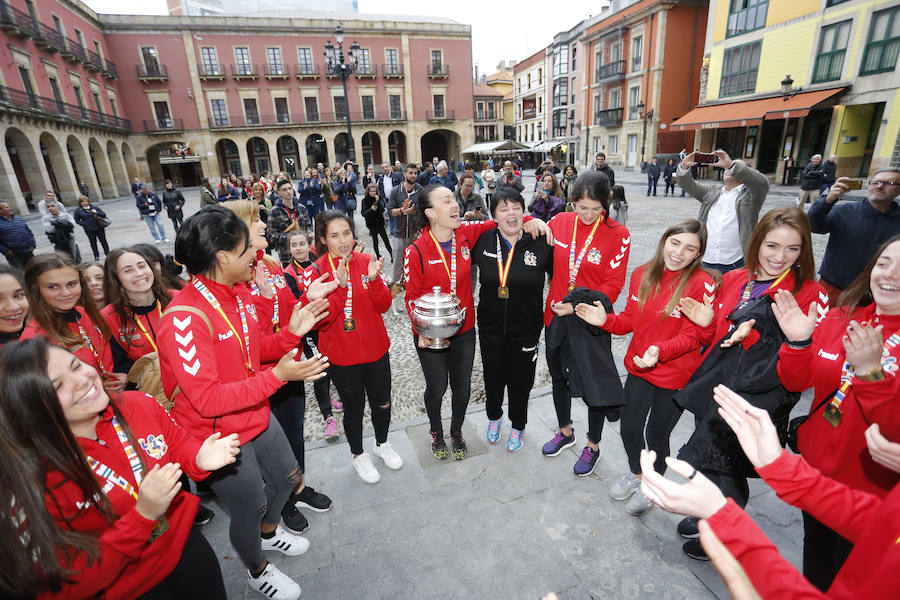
{"points": [[732, 486], [648, 418], [509, 365], [19, 260], [824, 552], [375, 232], [321, 387], [177, 220], [354, 383], [93, 236], [288, 405], [453, 363], [197, 574]]}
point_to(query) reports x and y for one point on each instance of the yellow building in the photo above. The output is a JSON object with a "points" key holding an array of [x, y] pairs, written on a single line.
{"points": [[502, 81], [786, 79]]}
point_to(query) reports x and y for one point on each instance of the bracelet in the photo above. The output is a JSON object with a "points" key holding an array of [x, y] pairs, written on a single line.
{"points": [[876, 375], [799, 345]]}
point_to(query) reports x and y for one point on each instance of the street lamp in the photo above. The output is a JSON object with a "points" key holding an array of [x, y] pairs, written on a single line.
{"points": [[645, 116], [334, 62], [787, 88]]}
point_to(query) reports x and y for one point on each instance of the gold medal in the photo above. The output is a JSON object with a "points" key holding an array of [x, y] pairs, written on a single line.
{"points": [[349, 324], [571, 287], [160, 527], [503, 292], [832, 414]]}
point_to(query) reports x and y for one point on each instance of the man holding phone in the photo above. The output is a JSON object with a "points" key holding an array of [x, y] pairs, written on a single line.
{"points": [[856, 229], [730, 210]]}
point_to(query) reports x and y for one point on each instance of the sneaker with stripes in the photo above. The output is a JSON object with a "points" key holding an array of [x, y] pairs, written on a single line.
{"points": [[285, 542], [274, 584]]}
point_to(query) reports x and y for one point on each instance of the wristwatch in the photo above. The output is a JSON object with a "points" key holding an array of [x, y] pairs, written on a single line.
{"points": [[876, 375]]}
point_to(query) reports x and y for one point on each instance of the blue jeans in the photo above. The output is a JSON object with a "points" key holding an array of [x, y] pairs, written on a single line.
{"points": [[725, 268], [154, 221]]}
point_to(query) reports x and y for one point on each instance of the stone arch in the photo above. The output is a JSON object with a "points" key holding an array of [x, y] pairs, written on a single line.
{"points": [[371, 150], [397, 147], [62, 178], [27, 170], [229, 157], [120, 175], [443, 143], [289, 156], [130, 164], [341, 148], [258, 155], [102, 170], [316, 150], [81, 163], [175, 160]]}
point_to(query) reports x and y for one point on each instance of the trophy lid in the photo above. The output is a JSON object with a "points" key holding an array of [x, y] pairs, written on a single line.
{"points": [[437, 302]]}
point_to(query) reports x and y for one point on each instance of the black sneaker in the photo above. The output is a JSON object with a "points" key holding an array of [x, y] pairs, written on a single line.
{"points": [[204, 516], [687, 528], [293, 518], [459, 447], [439, 446], [311, 499], [694, 549]]}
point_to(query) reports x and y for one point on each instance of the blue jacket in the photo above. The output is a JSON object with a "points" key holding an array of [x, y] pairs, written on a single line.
{"points": [[345, 191], [652, 171], [15, 236], [85, 217], [143, 203], [445, 181]]}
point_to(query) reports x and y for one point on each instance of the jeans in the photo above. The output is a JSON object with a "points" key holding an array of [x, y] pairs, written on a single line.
{"points": [[509, 365], [453, 363], [196, 575], [255, 488], [651, 185], [288, 404], [725, 268], [354, 383], [375, 232], [155, 221], [93, 236], [648, 417]]}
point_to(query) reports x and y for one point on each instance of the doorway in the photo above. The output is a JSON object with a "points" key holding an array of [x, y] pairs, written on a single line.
{"points": [[769, 144]]}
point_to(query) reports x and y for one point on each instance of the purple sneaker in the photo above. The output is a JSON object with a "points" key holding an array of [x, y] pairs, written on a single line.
{"points": [[586, 463], [559, 443]]}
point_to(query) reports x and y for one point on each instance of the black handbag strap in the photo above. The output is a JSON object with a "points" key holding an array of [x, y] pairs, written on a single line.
{"points": [[824, 400]]}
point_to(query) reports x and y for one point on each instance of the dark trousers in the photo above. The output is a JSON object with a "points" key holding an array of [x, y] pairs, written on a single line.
{"points": [[731, 486], [670, 184], [354, 383], [321, 387], [651, 185], [197, 574], [648, 418], [824, 552], [177, 220], [453, 363], [288, 404], [93, 236], [509, 364], [725, 268], [19, 259], [375, 232]]}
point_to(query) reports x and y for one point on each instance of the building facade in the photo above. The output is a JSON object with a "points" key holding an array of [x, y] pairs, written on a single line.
{"points": [[530, 97], [502, 82], [248, 7], [104, 98], [488, 113], [565, 61], [784, 81]]}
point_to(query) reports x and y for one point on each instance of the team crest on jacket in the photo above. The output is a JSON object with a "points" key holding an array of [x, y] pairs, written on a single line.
{"points": [[365, 282], [279, 281], [155, 446], [251, 308], [465, 252], [530, 258], [594, 256]]}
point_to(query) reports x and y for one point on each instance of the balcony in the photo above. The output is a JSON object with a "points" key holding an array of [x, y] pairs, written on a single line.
{"points": [[306, 71], [244, 71], [529, 113], [163, 125], [211, 72], [366, 72], [93, 62], [50, 39], [276, 71], [17, 22], [614, 69], [438, 71], [318, 118], [152, 72], [609, 118], [483, 116], [11, 99], [392, 71], [440, 115], [109, 70], [73, 52]]}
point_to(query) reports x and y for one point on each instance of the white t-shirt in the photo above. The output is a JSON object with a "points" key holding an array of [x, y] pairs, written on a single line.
{"points": [[723, 246]]}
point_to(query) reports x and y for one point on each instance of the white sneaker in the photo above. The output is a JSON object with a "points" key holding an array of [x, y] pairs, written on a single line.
{"points": [[386, 453], [274, 584], [625, 488], [285, 542], [166, 240], [365, 469]]}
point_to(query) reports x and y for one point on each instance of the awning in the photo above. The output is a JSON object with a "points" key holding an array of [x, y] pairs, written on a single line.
{"points": [[752, 112], [496, 146], [547, 146]]}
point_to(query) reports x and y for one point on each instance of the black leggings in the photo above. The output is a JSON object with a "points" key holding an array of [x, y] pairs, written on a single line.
{"points": [[731, 486], [197, 574], [321, 387], [354, 383], [380, 231], [509, 364], [93, 236], [177, 220], [288, 405], [453, 363], [824, 552], [670, 184], [649, 415]]}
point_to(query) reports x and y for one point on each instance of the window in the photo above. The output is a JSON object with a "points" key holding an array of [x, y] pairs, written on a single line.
{"points": [[597, 145], [391, 62], [242, 61], [490, 110], [368, 107], [437, 61], [739, 69], [613, 144], [113, 107], [282, 114], [560, 92], [561, 60], [26, 83], [634, 98], [363, 61], [437, 101], [747, 15], [57, 23], [54, 87], [559, 123], [528, 81], [78, 98], [615, 52], [540, 105], [573, 56], [340, 106], [251, 111], [311, 104], [97, 104], [80, 37], [163, 118], [220, 113], [210, 60], [304, 55], [637, 53], [884, 42], [832, 47], [273, 59], [395, 106], [97, 48], [615, 98], [479, 110], [540, 77]]}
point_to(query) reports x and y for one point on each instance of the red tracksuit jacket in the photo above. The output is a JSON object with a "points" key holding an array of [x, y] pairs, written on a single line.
{"points": [[676, 336], [131, 338], [217, 391], [840, 452], [872, 571], [424, 268], [84, 354], [270, 311], [603, 267], [129, 564], [368, 341]]}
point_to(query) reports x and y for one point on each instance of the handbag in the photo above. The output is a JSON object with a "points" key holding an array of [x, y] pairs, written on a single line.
{"points": [[796, 422], [351, 202], [102, 221]]}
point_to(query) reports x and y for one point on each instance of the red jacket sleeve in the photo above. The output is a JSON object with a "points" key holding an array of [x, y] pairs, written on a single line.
{"points": [[619, 247], [621, 324], [275, 345], [183, 446], [686, 340], [380, 295]]}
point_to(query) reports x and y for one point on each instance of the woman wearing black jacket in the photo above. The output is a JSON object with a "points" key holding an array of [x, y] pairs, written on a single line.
{"points": [[173, 200], [86, 215], [373, 213]]}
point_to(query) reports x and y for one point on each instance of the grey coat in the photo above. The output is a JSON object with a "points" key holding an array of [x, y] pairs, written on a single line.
{"points": [[748, 202]]}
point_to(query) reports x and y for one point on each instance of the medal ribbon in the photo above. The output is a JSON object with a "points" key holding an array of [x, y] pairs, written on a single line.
{"points": [[133, 459], [503, 269], [748, 288], [575, 265], [245, 346], [348, 303], [149, 337], [90, 345], [451, 270], [271, 281], [847, 373]]}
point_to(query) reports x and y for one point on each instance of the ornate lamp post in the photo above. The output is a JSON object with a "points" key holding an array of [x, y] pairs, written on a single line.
{"points": [[645, 116], [334, 62]]}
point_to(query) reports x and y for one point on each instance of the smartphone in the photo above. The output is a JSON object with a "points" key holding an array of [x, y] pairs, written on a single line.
{"points": [[854, 184], [705, 159]]}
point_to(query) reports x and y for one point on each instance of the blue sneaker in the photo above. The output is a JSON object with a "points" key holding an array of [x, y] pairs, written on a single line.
{"points": [[586, 463], [493, 433], [516, 439], [559, 443]]}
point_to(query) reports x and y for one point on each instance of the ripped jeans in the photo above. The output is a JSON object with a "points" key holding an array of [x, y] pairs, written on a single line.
{"points": [[263, 477]]}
